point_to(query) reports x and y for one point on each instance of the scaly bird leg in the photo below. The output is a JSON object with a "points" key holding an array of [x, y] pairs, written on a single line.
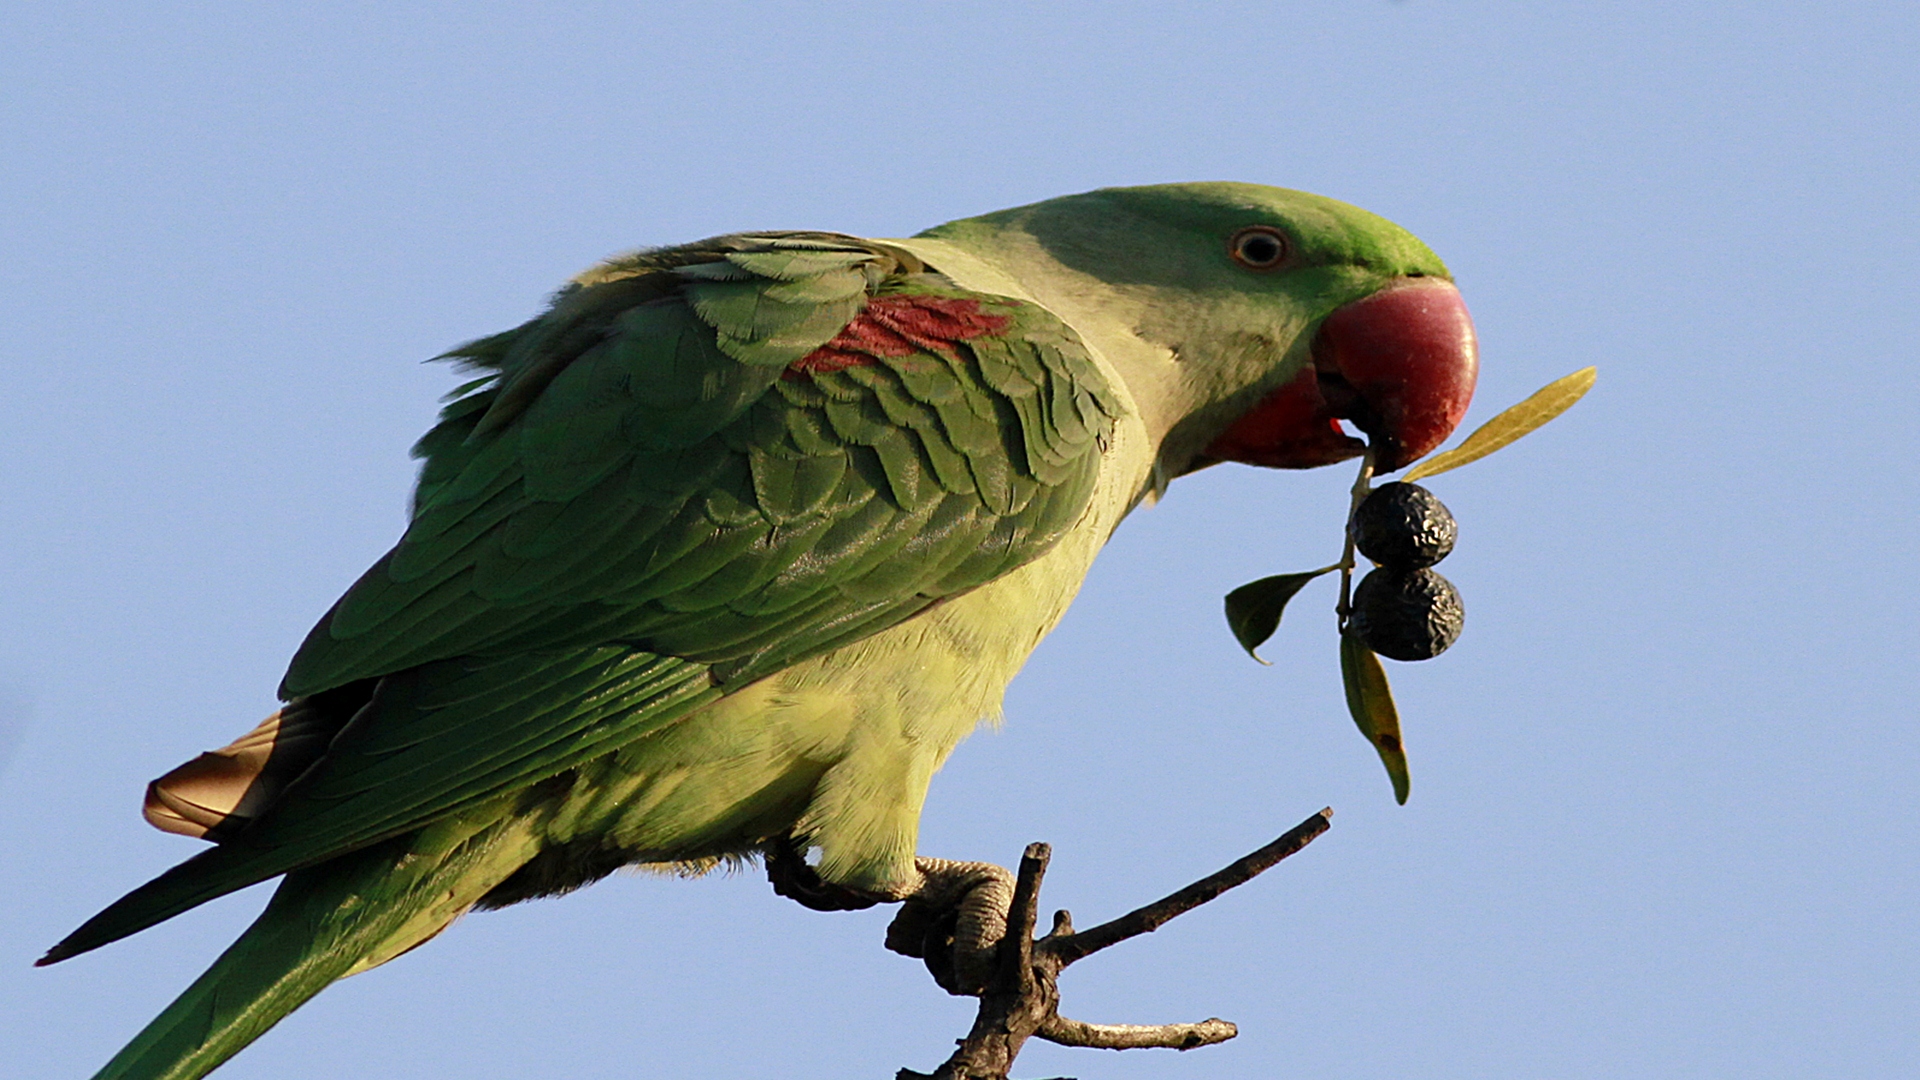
{"points": [[954, 922]]}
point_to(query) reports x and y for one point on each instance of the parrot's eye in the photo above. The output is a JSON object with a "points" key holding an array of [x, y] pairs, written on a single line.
{"points": [[1258, 247]]}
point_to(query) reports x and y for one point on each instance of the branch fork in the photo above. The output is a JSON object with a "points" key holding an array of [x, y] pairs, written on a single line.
{"points": [[1022, 999]]}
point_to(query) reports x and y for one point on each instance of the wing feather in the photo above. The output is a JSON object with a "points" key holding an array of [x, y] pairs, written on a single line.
{"points": [[651, 500]]}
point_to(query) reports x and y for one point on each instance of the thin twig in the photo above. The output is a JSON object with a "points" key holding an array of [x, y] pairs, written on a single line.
{"points": [[1147, 919], [1362, 487], [1016, 955], [1059, 1029]]}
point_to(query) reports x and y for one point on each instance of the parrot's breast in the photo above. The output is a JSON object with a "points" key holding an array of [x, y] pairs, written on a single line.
{"points": [[839, 749]]}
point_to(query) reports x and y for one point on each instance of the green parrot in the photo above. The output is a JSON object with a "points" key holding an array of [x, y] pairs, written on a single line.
{"points": [[719, 557]]}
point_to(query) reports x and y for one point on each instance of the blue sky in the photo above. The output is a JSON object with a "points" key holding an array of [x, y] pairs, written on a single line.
{"points": [[1664, 790]]}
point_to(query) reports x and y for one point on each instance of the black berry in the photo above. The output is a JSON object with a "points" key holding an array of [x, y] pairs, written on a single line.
{"points": [[1407, 614], [1403, 526]]}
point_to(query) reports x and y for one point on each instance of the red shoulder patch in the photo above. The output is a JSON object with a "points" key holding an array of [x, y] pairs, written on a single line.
{"points": [[897, 325]]}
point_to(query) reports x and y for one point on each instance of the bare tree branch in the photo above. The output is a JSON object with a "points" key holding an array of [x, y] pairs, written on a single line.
{"points": [[1016, 951], [1059, 1029], [1152, 917], [1023, 999]]}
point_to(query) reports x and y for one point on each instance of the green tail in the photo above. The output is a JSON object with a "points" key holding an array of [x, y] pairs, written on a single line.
{"points": [[324, 923]]}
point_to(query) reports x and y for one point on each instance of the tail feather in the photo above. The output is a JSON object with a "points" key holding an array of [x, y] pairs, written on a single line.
{"points": [[212, 873], [324, 923]]}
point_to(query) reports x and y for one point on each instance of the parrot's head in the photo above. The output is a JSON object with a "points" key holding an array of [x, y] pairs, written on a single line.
{"points": [[1250, 323]]}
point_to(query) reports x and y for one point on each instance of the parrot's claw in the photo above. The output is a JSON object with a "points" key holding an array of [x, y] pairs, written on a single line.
{"points": [[954, 922], [792, 878], [953, 919]]}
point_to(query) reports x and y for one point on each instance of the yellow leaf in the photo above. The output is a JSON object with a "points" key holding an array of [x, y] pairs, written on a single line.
{"points": [[1370, 700], [1546, 403]]}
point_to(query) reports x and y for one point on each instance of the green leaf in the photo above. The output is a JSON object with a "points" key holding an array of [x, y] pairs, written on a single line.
{"points": [[1253, 609], [1370, 700], [1546, 403]]}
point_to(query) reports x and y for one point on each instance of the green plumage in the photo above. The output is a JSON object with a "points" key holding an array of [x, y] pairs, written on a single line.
{"points": [[733, 543], [666, 493], [321, 923], [767, 520]]}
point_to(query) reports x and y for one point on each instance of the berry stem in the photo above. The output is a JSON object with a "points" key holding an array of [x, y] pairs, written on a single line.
{"points": [[1362, 487]]}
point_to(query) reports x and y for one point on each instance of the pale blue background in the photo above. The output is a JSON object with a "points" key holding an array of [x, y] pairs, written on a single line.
{"points": [[1664, 795]]}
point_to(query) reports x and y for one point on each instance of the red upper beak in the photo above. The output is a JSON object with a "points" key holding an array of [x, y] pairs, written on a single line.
{"points": [[1399, 364]]}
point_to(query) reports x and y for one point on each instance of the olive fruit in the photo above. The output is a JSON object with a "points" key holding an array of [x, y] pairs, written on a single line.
{"points": [[1403, 526], [1406, 614]]}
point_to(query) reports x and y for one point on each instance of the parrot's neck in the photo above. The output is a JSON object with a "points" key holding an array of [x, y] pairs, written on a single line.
{"points": [[1010, 262]]}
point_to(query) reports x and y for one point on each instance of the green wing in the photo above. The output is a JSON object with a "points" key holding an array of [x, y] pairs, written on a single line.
{"points": [[648, 467], [702, 465]]}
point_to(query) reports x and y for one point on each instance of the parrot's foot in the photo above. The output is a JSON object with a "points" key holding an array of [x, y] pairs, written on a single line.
{"points": [[954, 922], [792, 878], [953, 919]]}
